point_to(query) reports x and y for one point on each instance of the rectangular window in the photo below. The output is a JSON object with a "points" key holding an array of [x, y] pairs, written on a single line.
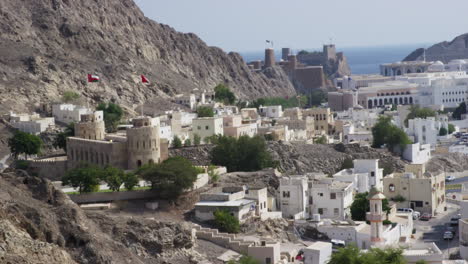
{"points": [[333, 196], [336, 211], [268, 260], [418, 203], [320, 194], [320, 211], [372, 174], [207, 127]]}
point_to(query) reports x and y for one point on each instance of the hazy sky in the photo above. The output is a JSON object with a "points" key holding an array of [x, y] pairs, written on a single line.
{"points": [[244, 25]]}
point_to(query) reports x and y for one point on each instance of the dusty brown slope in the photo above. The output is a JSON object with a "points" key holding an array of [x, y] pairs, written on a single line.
{"points": [[48, 47], [36, 218]]}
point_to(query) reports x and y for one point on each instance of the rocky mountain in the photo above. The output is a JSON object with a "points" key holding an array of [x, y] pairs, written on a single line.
{"points": [[443, 51], [39, 224], [48, 47]]}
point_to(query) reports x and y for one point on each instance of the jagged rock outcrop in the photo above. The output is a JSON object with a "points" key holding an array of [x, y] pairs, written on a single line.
{"points": [[302, 158], [444, 51], [449, 162], [49, 46], [54, 224]]}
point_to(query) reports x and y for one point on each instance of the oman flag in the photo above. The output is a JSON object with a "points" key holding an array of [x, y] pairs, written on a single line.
{"points": [[144, 79], [93, 78]]}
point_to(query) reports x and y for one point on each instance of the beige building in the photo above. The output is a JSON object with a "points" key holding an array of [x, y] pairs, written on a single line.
{"points": [[233, 127], [249, 113], [141, 145], [276, 133], [323, 118], [207, 127], [421, 190]]}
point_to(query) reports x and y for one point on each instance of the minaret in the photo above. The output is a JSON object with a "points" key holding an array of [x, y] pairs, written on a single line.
{"points": [[376, 216]]}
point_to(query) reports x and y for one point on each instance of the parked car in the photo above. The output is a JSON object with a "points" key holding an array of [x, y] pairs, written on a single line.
{"points": [[449, 178], [448, 235], [450, 228], [454, 221], [415, 214], [425, 217]]}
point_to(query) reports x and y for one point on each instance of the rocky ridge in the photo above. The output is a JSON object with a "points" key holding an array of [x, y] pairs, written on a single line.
{"points": [[37, 218], [444, 51], [48, 47]]}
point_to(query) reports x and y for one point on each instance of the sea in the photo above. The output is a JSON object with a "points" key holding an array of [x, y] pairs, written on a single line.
{"points": [[362, 60]]}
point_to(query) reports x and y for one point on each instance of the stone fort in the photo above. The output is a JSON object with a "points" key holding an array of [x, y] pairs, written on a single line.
{"points": [[138, 146]]}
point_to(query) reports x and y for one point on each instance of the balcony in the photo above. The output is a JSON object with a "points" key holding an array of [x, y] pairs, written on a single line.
{"points": [[375, 218]]}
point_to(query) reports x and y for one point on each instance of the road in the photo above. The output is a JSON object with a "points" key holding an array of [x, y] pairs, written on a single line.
{"points": [[433, 231]]}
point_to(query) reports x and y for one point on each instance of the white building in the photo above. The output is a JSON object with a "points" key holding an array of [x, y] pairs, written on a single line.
{"points": [[317, 253], [365, 175], [353, 135], [69, 113], [273, 111], [425, 131], [417, 153], [233, 199], [206, 127], [32, 124], [36, 126], [293, 197], [331, 199]]}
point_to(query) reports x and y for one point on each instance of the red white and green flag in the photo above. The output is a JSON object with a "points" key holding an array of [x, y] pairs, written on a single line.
{"points": [[144, 79], [93, 78]]}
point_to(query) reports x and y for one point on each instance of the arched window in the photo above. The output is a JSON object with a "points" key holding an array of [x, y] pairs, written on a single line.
{"points": [[139, 163]]}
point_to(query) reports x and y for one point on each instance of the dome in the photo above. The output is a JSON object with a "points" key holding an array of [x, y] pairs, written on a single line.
{"points": [[377, 196], [437, 66]]}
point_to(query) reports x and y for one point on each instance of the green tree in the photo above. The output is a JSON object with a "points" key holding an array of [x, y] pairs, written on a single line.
{"points": [[242, 154], [360, 206], [113, 113], [316, 97], [451, 128], [352, 254], [347, 164], [188, 142], [205, 111], [421, 262], [442, 131], [196, 139], [171, 177], [224, 94], [85, 178], [213, 174], [386, 133], [176, 142], [60, 140], [70, 96], [244, 260], [225, 222], [459, 111], [297, 101], [113, 177], [321, 140], [130, 181], [418, 112], [24, 143]]}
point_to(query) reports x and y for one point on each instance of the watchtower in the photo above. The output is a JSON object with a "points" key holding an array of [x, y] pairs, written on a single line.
{"points": [[376, 217], [143, 142], [285, 53], [269, 58], [91, 126], [329, 52]]}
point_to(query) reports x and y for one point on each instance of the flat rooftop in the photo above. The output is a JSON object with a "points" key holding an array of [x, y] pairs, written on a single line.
{"points": [[234, 203]]}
